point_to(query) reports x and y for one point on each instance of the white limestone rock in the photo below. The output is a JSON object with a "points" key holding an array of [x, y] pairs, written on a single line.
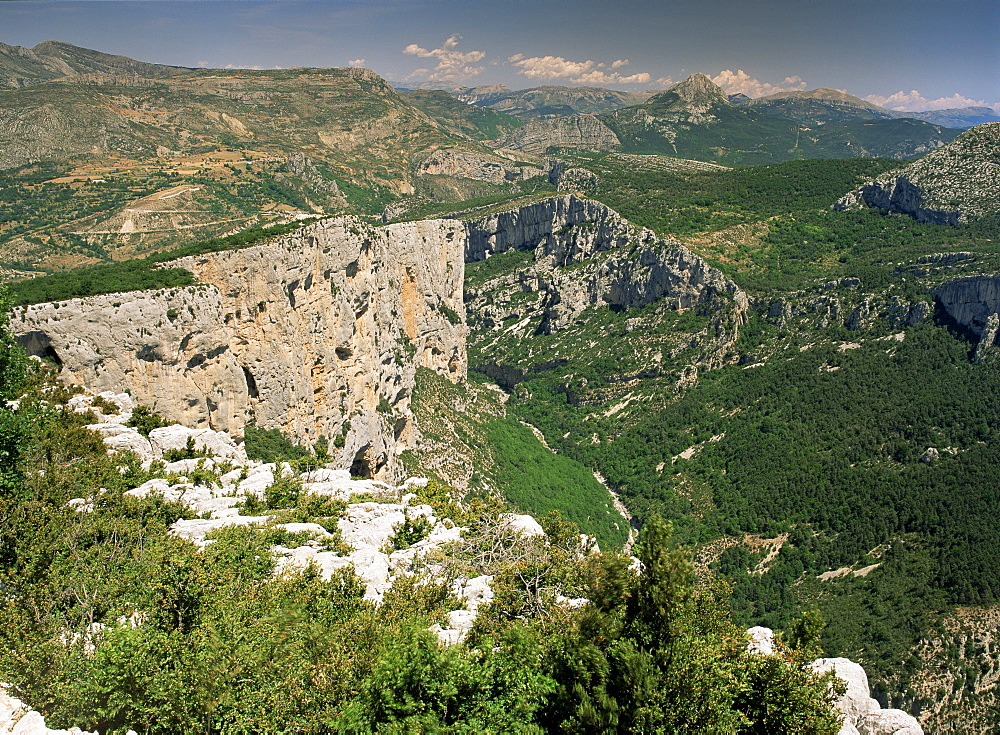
{"points": [[216, 443], [526, 524], [476, 591], [856, 701], [313, 528], [761, 641], [16, 718], [889, 722], [196, 529]]}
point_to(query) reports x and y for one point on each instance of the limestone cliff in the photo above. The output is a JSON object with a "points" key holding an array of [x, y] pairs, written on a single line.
{"points": [[586, 254], [951, 184], [317, 333], [577, 131], [568, 255], [970, 301]]}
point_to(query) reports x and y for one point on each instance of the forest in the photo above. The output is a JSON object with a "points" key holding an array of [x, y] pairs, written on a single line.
{"points": [[817, 434]]}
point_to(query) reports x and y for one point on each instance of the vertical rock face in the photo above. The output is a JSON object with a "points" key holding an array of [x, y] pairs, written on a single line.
{"points": [[970, 301], [545, 225], [318, 333], [613, 262]]}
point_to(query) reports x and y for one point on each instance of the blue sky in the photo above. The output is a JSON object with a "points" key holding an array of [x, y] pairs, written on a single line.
{"points": [[906, 54]]}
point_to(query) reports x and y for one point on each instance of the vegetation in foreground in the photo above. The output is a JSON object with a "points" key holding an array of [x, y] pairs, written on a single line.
{"points": [[199, 640]]}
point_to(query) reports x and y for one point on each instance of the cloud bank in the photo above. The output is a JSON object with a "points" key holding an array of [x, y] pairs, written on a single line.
{"points": [[741, 82], [452, 65], [550, 68], [914, 101]]}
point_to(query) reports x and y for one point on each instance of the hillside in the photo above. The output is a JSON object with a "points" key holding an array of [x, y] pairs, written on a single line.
{"points": [[479, 123], [21, 67], [955, 183], [550, 100], [124, 165]]}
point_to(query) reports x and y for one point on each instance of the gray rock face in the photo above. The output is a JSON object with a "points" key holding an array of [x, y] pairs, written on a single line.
{"points": [[575, 131], [550, 224], [958, 180], [320, 328], [612, 262], [986, 348], [889, 722], [467, 165], [862, 713], [901, 195], [970, 301]]}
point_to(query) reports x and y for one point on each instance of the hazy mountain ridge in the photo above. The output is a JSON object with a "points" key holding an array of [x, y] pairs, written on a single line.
{"points": [[695, 119], [823, 105], [550, 100], [21, 67]]}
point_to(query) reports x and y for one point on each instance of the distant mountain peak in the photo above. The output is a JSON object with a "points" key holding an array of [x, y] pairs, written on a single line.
{"points": [[698, 88]]}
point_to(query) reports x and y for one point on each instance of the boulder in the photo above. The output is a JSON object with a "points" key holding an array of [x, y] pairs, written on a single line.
{"points": [[761, 641], [216, 443], [889, 722], [526, 524], [856, 701]]}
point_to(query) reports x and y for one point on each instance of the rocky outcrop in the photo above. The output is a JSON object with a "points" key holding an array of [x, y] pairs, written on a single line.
{"points": [[576, 131], [541, 224], [958, 180], [467, 165], [900, 195], [970, 301], [863, 715], [300, 172], [317, 333], [585, 254]]}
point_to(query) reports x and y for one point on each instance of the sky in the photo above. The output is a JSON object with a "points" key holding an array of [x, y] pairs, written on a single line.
{"points": [[903, 54]]}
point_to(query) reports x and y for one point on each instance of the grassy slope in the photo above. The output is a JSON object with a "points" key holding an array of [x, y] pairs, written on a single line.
{"points": [[470, 439]]}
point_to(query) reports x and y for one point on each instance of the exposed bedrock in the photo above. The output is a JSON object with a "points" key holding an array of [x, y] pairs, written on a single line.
{"points": [[317, 333], [970, 301]]}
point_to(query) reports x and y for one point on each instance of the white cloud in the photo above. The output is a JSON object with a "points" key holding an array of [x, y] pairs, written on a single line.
{"points": [[599, 77], [914, 101], [242, 66], [452, 65], [357, 62], [579, 72], [550, 67], [739, 81]]}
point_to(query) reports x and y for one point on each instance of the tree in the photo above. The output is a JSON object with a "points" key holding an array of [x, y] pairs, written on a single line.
{"points": [[13, 426]]}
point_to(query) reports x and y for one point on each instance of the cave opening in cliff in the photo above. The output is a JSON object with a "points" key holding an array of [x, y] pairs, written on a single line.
{"points": [[361, 466], [251, 383], [367, 463]]}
